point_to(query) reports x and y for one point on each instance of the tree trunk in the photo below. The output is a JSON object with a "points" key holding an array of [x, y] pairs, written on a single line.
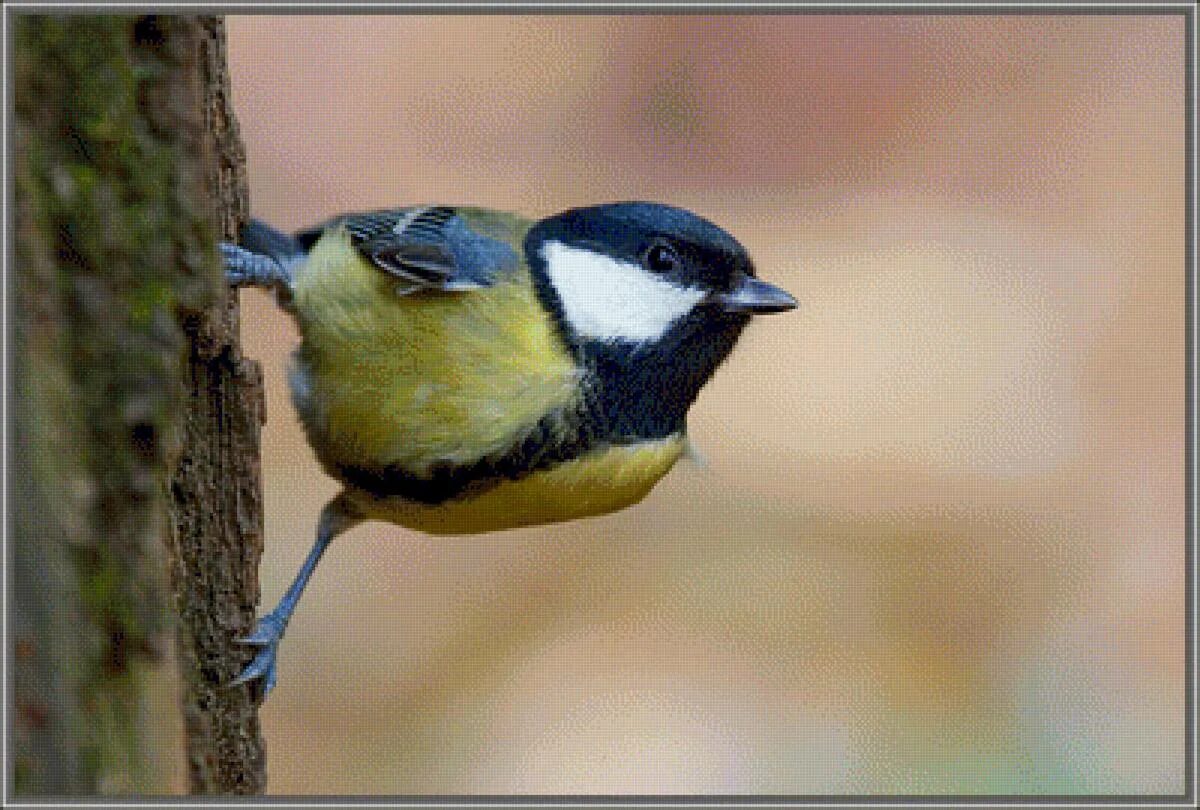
{"points": [[134, 463], [218, 492]]}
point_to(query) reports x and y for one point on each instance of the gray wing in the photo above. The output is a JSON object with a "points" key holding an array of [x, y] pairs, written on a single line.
{"points": [[430, 247]]}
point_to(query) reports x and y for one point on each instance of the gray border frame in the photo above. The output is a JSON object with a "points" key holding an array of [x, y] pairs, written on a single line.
{"points": [[680, 7]]}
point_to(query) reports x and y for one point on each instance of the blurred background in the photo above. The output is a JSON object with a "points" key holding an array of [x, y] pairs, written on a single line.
{"points": [[937, 540]]}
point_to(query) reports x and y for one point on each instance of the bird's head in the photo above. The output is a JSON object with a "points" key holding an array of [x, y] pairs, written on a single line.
{"points": [[648, 294]]}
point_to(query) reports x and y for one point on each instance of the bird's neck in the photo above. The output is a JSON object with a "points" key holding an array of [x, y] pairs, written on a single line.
{"points": [[644, 392]]}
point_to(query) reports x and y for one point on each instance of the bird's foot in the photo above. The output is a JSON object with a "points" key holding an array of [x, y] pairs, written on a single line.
{"points": [[266, 634], [244, 268]]}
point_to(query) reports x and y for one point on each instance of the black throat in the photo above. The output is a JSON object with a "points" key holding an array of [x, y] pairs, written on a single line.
{"points": [[644, 392]]}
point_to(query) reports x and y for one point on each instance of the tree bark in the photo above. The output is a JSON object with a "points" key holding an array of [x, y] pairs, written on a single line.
{"points": [[217, 490], [134, 465]]}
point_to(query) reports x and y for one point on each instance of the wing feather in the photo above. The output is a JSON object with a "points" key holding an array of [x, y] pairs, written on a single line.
{"points": [[430, 247]]}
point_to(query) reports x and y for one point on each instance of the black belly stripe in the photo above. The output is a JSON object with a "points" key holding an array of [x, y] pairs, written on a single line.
{"points": [[555, 439]]}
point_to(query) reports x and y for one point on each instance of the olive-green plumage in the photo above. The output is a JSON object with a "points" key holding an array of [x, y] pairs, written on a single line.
{"points": [[383, 377]]}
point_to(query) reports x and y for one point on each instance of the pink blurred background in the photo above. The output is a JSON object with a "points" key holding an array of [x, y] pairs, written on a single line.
{"points": [[937, 544]]}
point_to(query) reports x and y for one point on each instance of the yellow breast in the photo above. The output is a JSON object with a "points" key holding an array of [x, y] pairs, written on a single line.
{"points": [[600, 482], [384, 377]]}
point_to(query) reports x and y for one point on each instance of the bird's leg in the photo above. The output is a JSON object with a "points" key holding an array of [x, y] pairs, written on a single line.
{"points": [[245, 268], [336, 518]]}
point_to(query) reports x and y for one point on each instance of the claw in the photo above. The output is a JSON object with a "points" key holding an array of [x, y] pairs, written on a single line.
{"points": [[245, 268], [263, 666], [269, 681], [268, 630], [266, 634]]}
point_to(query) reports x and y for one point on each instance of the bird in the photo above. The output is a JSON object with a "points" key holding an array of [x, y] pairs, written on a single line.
{"points": [[464, 370]]}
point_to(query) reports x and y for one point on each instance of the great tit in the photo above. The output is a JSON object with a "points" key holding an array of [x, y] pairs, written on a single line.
{"points": [[463, 370]]}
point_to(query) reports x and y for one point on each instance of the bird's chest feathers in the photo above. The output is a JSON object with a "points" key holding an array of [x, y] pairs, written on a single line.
{"points": [[600, 482], [423, 379]]}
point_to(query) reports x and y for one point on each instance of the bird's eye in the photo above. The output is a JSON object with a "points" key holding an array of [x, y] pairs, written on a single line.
{"points": [[661, 258]]}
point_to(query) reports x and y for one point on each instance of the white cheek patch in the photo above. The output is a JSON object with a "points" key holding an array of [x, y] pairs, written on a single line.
{"points": [[607, 299]]}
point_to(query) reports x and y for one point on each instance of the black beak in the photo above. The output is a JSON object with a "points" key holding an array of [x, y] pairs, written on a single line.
{"points": [[754, 297]]}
